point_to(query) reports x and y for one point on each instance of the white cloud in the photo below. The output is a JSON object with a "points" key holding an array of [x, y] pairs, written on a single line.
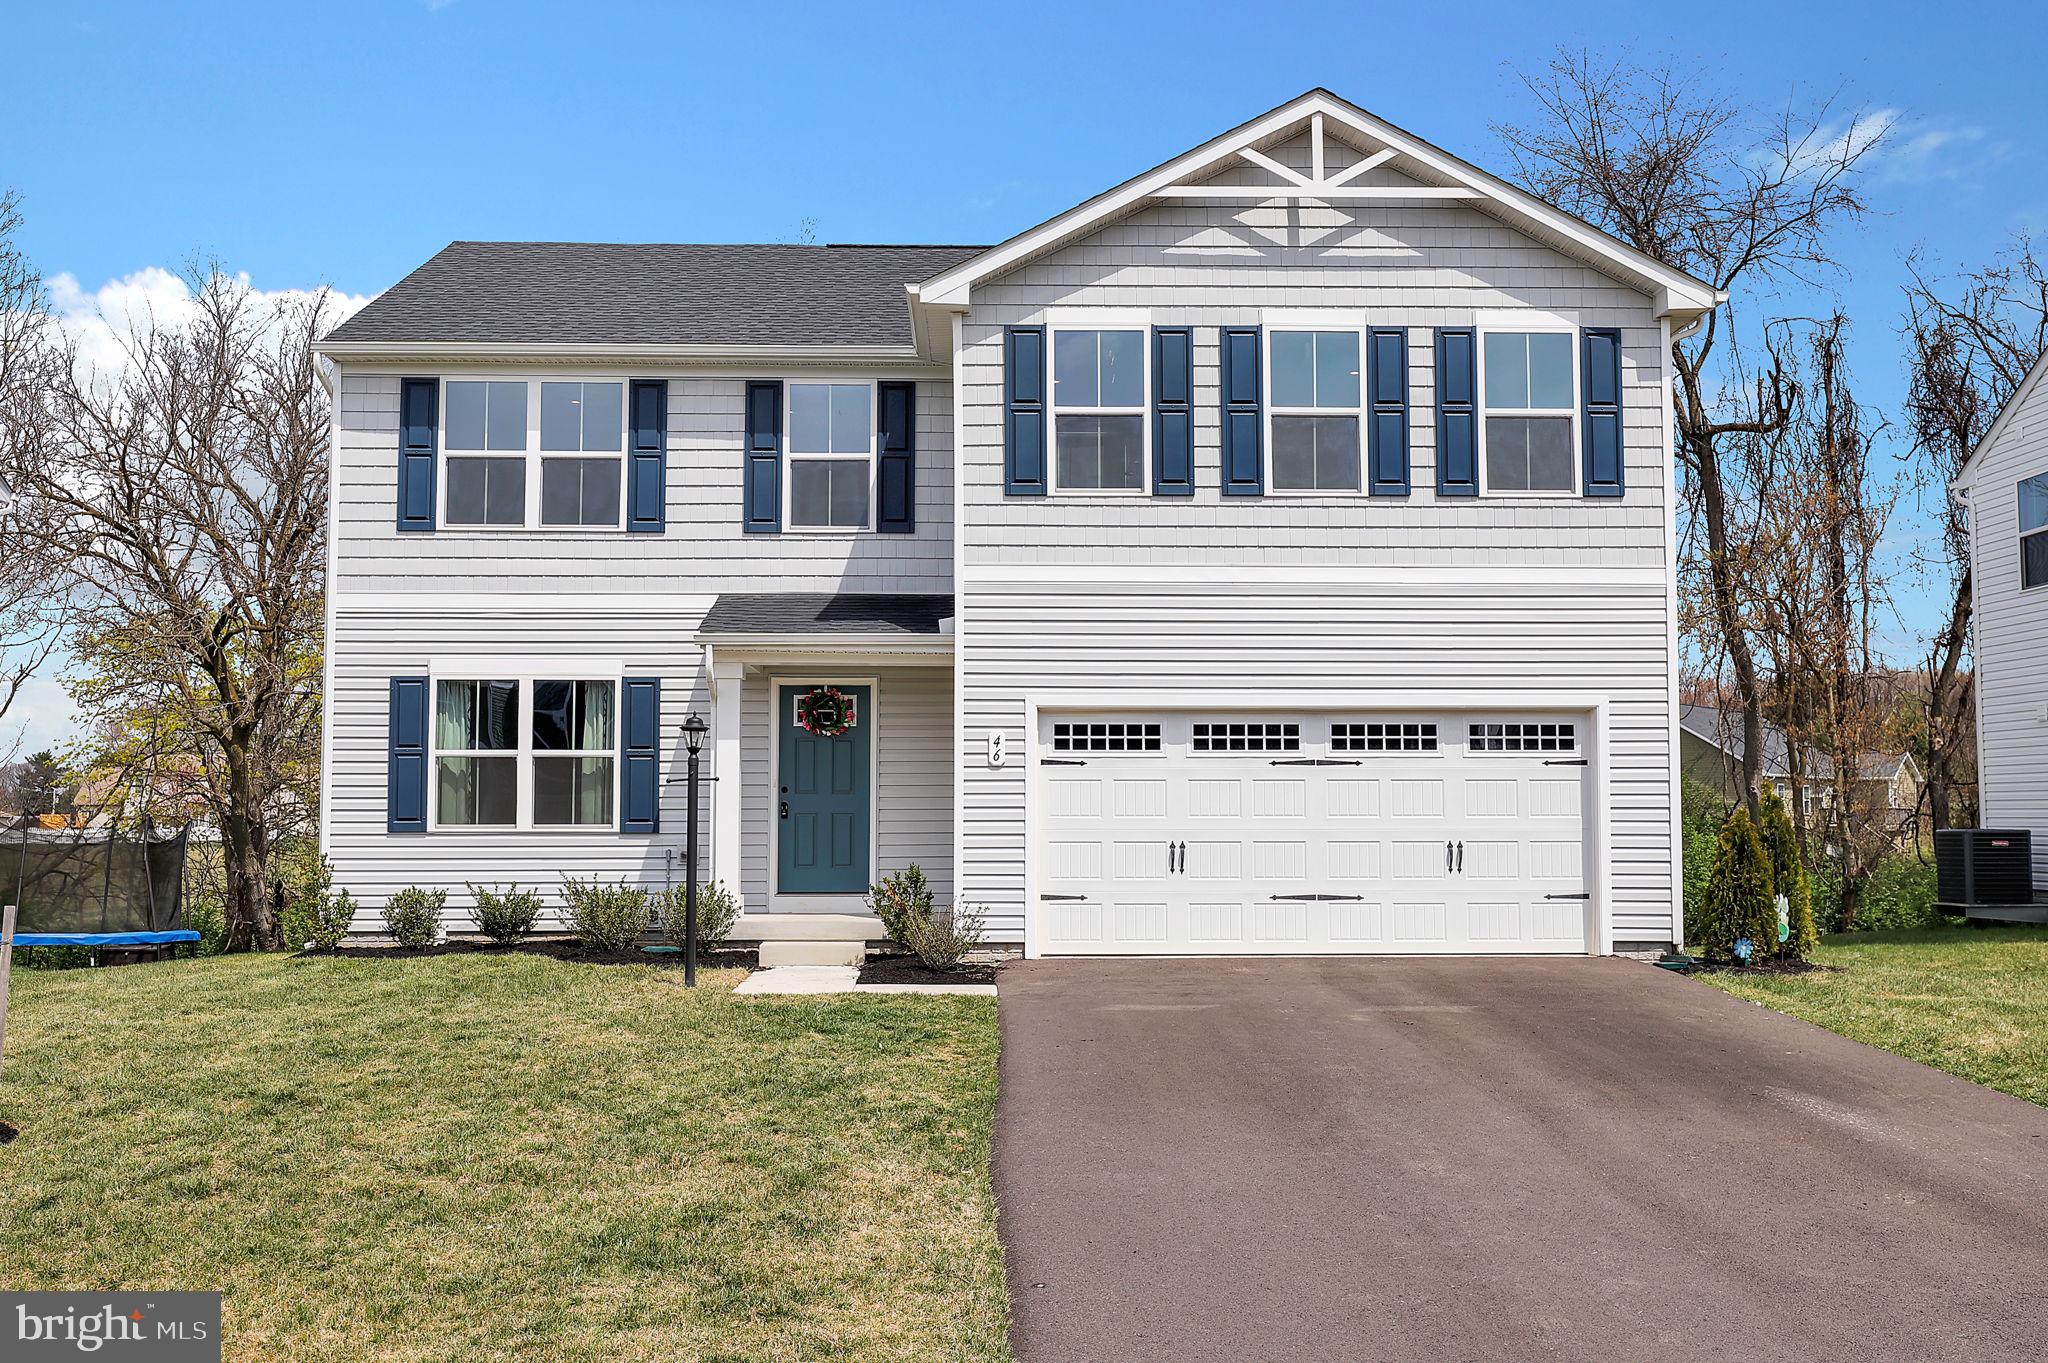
{"points": [[1922, 151], [102, 320]]}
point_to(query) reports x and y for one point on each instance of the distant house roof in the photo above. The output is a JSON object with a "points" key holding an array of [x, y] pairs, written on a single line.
{"points": [[569, 292], [1723, 729], [827, 613]]}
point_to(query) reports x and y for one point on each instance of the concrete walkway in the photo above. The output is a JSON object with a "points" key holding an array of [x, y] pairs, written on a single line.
{"points": [[840, 979], [1439, 1160]]}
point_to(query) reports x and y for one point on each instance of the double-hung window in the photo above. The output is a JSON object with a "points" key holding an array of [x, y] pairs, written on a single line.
{"points": [[526, 753], [476, 754], [582, 441], [2034, 531], [831, 456], [503, 468], [1529, 381], [1098, 401], [1317, 429]]}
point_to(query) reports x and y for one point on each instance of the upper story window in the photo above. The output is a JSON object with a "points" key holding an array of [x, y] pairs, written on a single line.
{"points": [[2034, 531], [501, 468], [1529, 383], [1317, 431], [512, 754], [1098, 399], [831, 456]]}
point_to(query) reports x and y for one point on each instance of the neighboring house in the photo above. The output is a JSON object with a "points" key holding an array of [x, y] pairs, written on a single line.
{"points": [[1272, 554], [2004, 484], [1711, 748]]}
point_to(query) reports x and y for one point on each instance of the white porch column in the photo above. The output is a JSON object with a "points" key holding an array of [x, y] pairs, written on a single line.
{"points": [[725, 765]]}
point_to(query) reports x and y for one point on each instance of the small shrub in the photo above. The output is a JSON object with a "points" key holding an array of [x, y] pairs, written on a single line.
{"points": [[505, 917], [902, 901], [717, 910], [942, 939], [204, 914], [1739, 901], [605, 917], [413, 917], [328, 920], [1788, 878], [1899, 894]]}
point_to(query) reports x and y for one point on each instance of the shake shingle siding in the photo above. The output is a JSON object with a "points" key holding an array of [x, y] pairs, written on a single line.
{"points": [[1537, 597]]}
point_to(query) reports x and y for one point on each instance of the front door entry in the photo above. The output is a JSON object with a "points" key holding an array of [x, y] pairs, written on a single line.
{"points": [[823, 797]]}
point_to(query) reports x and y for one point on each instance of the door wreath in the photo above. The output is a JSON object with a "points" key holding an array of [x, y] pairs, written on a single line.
{"points": [[826, 711]]}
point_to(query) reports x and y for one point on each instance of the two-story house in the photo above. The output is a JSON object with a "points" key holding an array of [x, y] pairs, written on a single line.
{"points": [[2004, 486], [1272, 554]]}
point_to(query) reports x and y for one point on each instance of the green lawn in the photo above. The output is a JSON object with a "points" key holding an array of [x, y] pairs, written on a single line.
{"points": [[1970, 1001], [508, 1157]]}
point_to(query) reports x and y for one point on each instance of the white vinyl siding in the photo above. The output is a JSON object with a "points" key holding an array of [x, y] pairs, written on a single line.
{"points": [[703, 544], [2009, 631], [372, 645]]}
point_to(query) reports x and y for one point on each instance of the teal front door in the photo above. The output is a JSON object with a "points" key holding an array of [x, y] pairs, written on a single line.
{"points": [[822, 800]]}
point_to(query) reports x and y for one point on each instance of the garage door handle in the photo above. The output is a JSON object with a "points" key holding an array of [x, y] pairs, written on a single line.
{"points": [[1183, 858], [1447, 858], [1461, 858]]}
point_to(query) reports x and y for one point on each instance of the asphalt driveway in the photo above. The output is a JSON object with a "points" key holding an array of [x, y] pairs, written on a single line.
{"points": [[1493, 1159]]}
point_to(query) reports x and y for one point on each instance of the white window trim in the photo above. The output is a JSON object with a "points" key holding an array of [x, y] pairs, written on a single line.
{"points": [[533, 453], [1081, 320], [790, 454], [2025, 534], [1489, 324], [1277, 322], [525, 673]]}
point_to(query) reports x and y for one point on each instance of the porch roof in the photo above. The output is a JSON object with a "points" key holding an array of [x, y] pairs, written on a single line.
{"points": [[893, 619]]}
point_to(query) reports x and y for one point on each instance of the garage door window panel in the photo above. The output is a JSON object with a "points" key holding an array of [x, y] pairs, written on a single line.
{"points": [[1245, 736], [1523, 737], [1378, 736]]}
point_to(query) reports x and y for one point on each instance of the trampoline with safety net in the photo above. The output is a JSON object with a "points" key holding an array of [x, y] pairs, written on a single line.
{"points": [[118, 892]]}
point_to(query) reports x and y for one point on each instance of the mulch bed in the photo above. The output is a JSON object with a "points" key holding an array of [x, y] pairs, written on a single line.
{"points": [[562, 949], [910, 970], [1701, 967]]}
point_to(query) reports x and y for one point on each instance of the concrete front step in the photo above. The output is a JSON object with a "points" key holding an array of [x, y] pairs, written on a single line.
{"points": [[774, 953], [808, 927]]}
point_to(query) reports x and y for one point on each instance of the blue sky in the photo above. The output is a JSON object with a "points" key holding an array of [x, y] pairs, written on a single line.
{"points": [[343, 144]]}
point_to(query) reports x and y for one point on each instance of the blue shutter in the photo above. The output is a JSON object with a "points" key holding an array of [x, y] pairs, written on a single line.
{"points": [[1244, 465], [1024, 411], [1173, 411], [761, 513], [647, 458], [405, 785], [896, 459], [419, 402], [1603, 412], [1457, 413], [1387, 409], [640, 755]]}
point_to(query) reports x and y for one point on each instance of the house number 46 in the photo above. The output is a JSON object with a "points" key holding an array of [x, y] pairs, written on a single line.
{"points": [[998, 747]]}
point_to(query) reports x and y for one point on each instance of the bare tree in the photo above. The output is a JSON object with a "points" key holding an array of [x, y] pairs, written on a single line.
{"points": [[181, 502], [31, 613], [1679, 173], [1973, 341]]}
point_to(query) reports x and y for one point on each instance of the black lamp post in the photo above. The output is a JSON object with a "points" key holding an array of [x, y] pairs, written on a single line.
{"points": [[694, 729]]}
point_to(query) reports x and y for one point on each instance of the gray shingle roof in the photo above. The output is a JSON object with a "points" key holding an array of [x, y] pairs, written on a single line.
{"points": [[825, 612], [583, 292]]}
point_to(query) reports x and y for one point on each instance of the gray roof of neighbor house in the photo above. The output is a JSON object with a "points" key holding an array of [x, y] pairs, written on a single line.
{"points": [[601, 293], [1723, 729], [827, 612]]}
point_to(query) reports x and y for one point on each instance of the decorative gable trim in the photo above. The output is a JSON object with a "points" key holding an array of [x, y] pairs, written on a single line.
{"points": [[1440, 175]]}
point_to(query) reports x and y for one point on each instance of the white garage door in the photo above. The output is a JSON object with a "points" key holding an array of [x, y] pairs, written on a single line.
{"points": [[1220, 834]]}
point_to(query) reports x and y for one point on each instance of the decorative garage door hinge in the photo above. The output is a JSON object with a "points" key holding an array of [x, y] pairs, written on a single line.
{"points": [[1061, 762], [1063, 896], [1568, 896], [1321, 898], [1564, 761], [1317, 762]]}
